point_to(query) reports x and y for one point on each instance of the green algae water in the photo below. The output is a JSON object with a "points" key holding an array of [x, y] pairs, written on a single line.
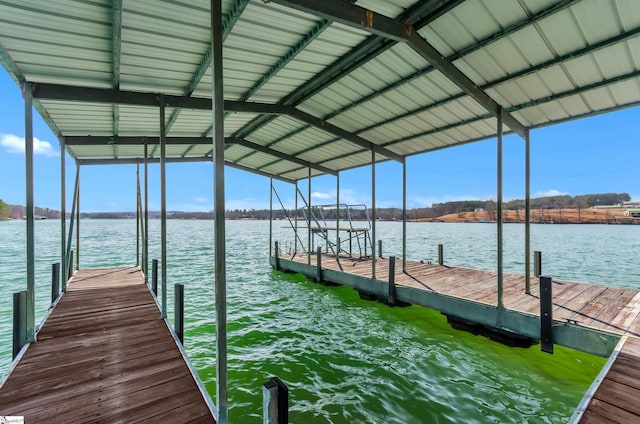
{"points": [[344, 359]]}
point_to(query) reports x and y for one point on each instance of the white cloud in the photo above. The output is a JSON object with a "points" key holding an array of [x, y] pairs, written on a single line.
{"points": [[200, 199], [14, 144], [322, 196], [549, 193]]}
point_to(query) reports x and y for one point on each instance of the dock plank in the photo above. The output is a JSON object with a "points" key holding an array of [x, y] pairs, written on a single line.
{"points": [[104, 355]]}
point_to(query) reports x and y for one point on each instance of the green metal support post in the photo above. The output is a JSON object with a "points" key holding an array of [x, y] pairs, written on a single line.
{"points": [[373, 214], [77, 218], [499, 211], [63, 215], [27, 92], [338, 215], [163, 206], [295, 249], [138, 217], [404, 215], [270, 216], [309, 220], [217, 104], [527, 215], [146, 214]]}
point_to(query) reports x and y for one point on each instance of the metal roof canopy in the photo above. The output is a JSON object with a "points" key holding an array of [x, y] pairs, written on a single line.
{"points": [[305, 78]]}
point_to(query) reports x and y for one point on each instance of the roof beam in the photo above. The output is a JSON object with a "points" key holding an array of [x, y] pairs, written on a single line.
{"points": [[116, 48], [339, 132], [358, 17], [278, 154]]}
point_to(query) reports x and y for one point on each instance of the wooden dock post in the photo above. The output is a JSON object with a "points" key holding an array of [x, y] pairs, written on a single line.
{"points": [[440, 254], [319, 264], [19, 321], [179, 311], [55, 281], [391, 298], [537, 263], [275, 395], [380, 248], [154, 277], [277, 255], [546, 315], [70, 269]]}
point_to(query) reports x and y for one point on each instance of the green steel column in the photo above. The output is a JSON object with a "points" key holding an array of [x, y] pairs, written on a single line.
{"points": [[270, 215], [295, 249], [72, 217], [338, 214], [28, 136], [138, 214], [404, 215], [309, 220], [63, 215], [527, 215], [219, 206], [163, 206], [499, 210], [146, 214], [373, 213], [77, 217]]}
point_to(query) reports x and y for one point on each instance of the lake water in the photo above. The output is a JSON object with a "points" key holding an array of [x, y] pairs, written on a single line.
{"points": [[347, 360]]}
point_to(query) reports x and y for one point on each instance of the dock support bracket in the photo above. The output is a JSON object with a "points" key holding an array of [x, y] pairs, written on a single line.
{"points": [[19, 321], [55, 281], [275, 395], [546, 315], [537, 263], [319, 264], [179, 311], [440, 254], [154, 277], [391, 298], [277, 255]]}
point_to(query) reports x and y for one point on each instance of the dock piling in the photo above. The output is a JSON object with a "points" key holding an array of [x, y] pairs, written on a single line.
{"points": [[440, 254], [277, 255], [55, 281], [319, 264], [380, 248], [275, 395], [179, 311], [154, 277], [391, 298], [19, 321], [70, 269], [546, 315], [537, 263]]}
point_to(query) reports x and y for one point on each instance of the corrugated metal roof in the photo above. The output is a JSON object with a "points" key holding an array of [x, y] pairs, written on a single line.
{"points": [[543, 61]]}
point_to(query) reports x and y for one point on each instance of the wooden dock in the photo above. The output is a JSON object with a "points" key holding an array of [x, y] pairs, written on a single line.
{"points": [[104, 355], [614, 396], [583, 314]]}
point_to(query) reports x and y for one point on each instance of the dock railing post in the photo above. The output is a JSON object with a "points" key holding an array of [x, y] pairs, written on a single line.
{"points": [[19, 321], [440, 254], [277, 255], [70, 269], [154, 277], [537, 263], [55, 281], [275, 395], [391, 298], [380, 248], [319, 264], [546, 315], [179, 311]]}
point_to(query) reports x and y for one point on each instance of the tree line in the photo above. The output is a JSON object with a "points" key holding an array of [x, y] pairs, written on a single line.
{"points": [[388, 214]]}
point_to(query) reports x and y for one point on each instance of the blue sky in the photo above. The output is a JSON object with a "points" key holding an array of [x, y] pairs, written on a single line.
{"points": [[593, 155]]}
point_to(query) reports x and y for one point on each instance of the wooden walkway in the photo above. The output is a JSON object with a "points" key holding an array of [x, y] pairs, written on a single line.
{"points": [[104, 355], [617, 395], [609, 309]]}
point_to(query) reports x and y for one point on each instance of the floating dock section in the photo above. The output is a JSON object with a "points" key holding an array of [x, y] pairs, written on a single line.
{"points": [[105, 354]]}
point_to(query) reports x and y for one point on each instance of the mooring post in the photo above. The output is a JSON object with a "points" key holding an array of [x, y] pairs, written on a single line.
{"points": [[277, 255], [70, 269], [154, 278], [319, 264], [380, 248], [55, 281], [537, 263], [275, 395], [546, 315], [19, 321], [179, 311], [440, 254], [391, 298]]}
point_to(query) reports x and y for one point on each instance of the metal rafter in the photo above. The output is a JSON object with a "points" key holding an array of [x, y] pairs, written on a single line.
{"points": [[358, 17], [420, 15]]}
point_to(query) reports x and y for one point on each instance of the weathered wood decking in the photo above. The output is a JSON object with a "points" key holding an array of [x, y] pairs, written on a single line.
{"points": [[104, 355], [616, 396]]}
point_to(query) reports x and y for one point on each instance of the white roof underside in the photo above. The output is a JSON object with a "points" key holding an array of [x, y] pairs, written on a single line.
{"points": [[543, 61]]}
